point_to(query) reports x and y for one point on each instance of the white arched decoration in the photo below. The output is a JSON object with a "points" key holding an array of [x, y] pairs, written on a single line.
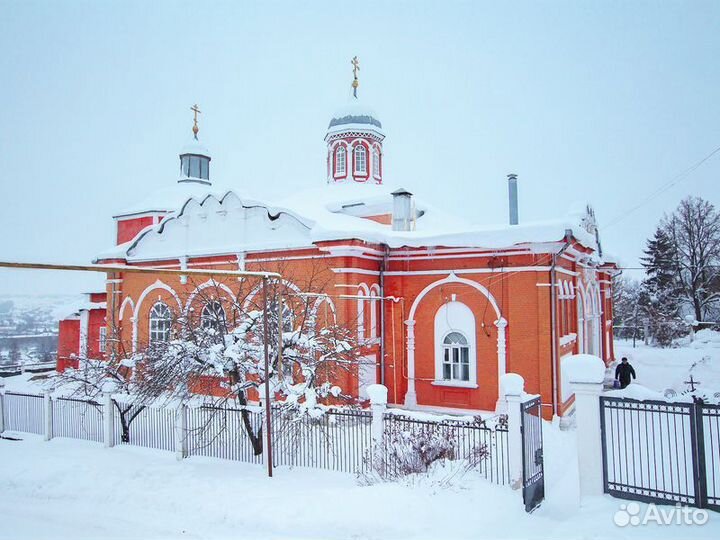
{"points": [[158, 285], [201, 287], [375, 293], [455, 318], [127, 302], [500, 323], [581, 331], [595, 318], [319, 301], [363, 290], [290, 285]]}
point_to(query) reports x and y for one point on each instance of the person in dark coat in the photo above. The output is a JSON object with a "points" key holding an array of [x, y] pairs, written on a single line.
{"points": [[623, 372]]}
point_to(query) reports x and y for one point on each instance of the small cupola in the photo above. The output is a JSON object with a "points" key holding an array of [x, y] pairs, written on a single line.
{"points": [[354, 141], [194, 157]]}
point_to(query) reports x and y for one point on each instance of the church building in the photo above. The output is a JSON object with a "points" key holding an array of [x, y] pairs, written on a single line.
{"points": [[443, 307]]}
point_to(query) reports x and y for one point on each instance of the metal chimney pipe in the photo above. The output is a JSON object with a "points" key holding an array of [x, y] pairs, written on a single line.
{"points": [[403, 215], [513, 198]]}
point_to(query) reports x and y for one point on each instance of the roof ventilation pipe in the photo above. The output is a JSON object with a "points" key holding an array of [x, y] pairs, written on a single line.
{"points": [[513, 198], [403, 215]]}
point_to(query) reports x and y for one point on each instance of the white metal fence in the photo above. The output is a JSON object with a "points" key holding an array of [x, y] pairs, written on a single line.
{"points": [[222, 433], [77, 419], [339, 440], [24, 412]]}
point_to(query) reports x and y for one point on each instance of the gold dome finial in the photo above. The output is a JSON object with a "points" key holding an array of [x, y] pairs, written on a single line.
{"points": [[195, 128], [356, 67]]}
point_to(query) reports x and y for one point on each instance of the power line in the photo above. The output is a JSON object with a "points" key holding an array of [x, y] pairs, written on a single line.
{"points": [[670, 183]]}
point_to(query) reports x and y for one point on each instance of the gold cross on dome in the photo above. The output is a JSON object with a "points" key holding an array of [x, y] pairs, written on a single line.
{"points": [[356, 67], [195, 109]]}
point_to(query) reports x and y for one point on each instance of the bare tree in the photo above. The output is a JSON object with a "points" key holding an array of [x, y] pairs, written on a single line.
{"points": [[694, 228], [220, 336]]}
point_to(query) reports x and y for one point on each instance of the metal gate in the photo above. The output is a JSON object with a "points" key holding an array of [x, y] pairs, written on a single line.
{"points": [[532, 454], [663, 452]]}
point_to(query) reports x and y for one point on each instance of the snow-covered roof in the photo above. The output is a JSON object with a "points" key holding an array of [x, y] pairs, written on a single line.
{"points": [[172, 197], [208, 220], [355, 115], [194, 147]]}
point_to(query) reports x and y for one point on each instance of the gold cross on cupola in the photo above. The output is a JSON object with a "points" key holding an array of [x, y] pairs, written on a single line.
{"points": [[196, 110], [356, 67]]}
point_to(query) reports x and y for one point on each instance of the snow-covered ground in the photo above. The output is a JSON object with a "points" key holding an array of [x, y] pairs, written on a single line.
{"points": [[77, 489], [662, 369]]}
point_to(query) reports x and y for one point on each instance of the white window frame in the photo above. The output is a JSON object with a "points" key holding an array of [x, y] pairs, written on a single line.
{"points": [[359, 151], [456, 357], [336, 161], [455, 316], [376, 162], [102, 339], [160, 325], [215, 318]]}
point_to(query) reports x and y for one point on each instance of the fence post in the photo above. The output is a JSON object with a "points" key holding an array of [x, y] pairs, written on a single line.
{"points": [[181, 447], [47, 401], [513, 389], [378, 405], [108, 420], [586, 374], [2, 406]]}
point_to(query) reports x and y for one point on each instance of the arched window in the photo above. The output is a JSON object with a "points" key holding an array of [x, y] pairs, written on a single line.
{"points": [[360, 159], [213, 317], [376, 162], [456, 358], [455, 346], [160, 321], [287, 316], [340, 160]]}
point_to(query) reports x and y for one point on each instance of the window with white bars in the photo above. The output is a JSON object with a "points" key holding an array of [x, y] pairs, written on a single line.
{"points": [[360, 159], [213, 317], [376, 163], [102, 339], [340, 160], [456, 357], [160, 322]]}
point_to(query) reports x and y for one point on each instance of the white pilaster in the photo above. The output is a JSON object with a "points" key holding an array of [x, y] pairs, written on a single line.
{"points": [[410, 395], [501, 325], [134, 333], [84, 325]]}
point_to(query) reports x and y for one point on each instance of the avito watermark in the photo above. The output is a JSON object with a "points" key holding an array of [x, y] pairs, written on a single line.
{"points": [[630, 514]]}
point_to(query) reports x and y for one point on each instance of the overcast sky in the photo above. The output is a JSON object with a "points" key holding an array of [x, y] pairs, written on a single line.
{"points": [[593, 101]]}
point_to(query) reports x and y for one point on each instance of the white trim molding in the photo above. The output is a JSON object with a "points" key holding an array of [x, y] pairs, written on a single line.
{"points": [[136, 313], [501, 324]]}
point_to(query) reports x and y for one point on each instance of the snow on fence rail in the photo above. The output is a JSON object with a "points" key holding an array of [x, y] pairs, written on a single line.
{"points": [[77, 419], [467, 440], [24, 412], [338, 440], [221, 433], [149, 427]]}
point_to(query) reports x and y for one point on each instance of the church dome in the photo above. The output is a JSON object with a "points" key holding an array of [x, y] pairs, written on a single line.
{"points": [[354, 113]]}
